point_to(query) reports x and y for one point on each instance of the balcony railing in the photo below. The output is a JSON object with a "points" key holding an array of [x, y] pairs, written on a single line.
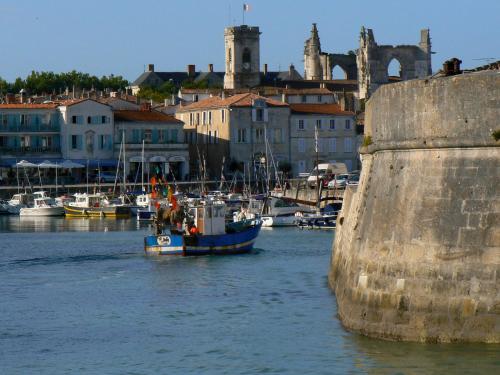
{"points": [[38, 128], [29, 150]]}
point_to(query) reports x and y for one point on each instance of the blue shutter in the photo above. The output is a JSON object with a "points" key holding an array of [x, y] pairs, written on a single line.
{"points": [[154, 135], [174, 135], [79, 140]]}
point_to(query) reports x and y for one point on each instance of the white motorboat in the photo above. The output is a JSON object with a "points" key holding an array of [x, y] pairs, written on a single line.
{"points": [[279, 221], [275, 212], [43, 206], [19, 201]]}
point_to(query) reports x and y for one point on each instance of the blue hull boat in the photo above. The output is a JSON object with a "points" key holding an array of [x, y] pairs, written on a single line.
{"points": [[238, 239]]}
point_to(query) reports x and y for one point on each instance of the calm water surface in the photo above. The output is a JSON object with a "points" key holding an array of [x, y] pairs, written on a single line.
{"points": [[79, 296]]}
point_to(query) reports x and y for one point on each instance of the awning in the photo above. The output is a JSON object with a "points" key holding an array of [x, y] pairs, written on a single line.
{"points": [[11, 162], [97, 163], [136, 159], [176, 158], [25, 164], [68, 164], [158, 159], [46, 164]]}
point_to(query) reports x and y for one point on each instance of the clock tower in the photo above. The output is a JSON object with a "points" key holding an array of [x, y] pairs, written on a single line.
{"points": [[242, 45]]}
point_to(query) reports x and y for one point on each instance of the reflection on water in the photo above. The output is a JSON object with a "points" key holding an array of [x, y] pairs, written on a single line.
{"points": [[59, 224], [388, 357], [77, 302]]}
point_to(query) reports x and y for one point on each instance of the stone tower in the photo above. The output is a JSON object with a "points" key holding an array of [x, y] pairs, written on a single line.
{"points": [[373, 61], [242, 45], [312, 52]]}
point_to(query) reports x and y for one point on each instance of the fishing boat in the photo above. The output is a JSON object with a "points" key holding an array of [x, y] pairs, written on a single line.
{"points": [[211, 234], [43, 205], [95, 205]]}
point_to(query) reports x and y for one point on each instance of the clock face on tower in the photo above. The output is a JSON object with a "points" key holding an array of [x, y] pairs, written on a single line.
{"points": [[246, 66]]}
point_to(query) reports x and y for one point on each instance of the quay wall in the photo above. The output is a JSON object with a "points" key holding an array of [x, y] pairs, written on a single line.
{"points": [[417, 250]]}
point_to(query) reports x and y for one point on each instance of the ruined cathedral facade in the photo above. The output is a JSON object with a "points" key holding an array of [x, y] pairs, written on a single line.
{"points": [[369, 65]]}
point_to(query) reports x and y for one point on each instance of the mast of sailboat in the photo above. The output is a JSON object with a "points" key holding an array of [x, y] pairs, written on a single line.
{"points": [[124, 161], [142, 167], [222, 178], [118, 166], [87, 176], [316, 148]]}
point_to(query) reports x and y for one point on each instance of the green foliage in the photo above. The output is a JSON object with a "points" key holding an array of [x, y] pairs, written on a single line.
{"points": [[201, 84], [496, 135], [157, 94], [367, 140], [50, 82]]}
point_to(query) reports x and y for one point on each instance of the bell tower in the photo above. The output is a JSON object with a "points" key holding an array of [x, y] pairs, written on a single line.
{"points": [[242, 46]]}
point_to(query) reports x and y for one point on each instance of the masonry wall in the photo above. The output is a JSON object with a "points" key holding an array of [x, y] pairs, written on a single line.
{"points": [[417, 251]]}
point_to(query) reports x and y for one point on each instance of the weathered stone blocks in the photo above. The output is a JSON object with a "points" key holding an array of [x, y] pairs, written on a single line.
{"points": [[417, 249]]}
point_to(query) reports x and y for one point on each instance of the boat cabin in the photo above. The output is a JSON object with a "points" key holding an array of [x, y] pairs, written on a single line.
{"points": [[209, 219], [21, 199], [87, 200]]}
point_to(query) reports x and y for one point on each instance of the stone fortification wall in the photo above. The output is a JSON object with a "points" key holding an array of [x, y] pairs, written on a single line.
{"points": [[417, 251]]}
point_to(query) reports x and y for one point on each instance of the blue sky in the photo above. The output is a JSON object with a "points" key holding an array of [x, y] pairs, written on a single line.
{"points": [[121, 36]]}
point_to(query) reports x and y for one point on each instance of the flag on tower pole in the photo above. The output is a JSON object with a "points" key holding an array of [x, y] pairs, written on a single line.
{"points": [[246, 8]]}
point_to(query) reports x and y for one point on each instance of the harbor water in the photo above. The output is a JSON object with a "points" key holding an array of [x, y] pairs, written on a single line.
{"points": [[79, 296]]}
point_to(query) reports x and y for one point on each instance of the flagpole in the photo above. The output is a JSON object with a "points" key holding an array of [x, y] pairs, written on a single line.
{"points": [[243, 14]]}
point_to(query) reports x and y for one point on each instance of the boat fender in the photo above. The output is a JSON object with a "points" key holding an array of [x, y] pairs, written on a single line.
{"points": [[163, 240]]}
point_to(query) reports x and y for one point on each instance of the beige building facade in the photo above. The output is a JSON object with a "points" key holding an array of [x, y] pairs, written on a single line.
{"points": [[234, 130], [336, 136]]}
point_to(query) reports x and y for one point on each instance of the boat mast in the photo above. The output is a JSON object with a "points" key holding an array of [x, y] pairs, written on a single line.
{"points": [[316, 147], [124, 161], [142, 166], [117, 168]]}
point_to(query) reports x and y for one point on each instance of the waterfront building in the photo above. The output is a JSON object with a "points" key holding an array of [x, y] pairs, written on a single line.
{"points": [[87, 132], [336, 136], [164, 145], [234, 129], [29, 131]]}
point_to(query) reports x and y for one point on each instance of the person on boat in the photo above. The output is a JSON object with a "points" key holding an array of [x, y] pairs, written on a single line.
{"points": [[192, 229], [242, 215]]}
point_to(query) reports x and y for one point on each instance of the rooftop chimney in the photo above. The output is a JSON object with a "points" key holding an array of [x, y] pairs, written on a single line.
{"points": [[211, 68], [151, 67], [265, 69], [452, 67], [191, 69]]}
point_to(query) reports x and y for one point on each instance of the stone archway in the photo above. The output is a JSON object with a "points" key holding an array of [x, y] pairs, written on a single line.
{"points": [[338, 72]]}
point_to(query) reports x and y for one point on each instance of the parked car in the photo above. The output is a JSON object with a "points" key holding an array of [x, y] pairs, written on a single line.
{"points": [[339, 182], [105, 177], [353, 179], [325, 173]]}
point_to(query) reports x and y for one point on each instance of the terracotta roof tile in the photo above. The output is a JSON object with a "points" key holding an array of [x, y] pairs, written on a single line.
{"points": [[240, 100], [319, 109], [144, 116], [29, 106]]}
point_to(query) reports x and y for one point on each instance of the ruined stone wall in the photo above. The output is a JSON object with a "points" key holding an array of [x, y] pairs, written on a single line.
{"points": [[417, 250]]}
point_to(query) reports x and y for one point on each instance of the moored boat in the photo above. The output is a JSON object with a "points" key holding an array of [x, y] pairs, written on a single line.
{"points": [[95, 205], [42, 206]]}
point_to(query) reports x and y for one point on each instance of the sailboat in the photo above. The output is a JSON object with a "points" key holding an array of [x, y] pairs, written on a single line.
{"points": [[146, 210]]}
